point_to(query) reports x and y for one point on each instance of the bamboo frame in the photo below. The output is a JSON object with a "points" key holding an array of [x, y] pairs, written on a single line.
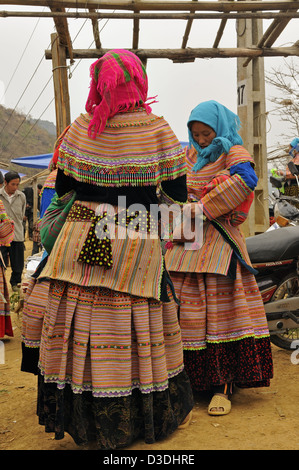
{"points": [[272, 33], [190, 54], [93, 14], [60, 79], [280, 11], [63, 32], [224, 6], [95, 30], [135, 42], [187, 30]]}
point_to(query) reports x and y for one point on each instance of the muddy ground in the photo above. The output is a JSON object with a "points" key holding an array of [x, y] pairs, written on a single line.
{"points": [[261, 419]]}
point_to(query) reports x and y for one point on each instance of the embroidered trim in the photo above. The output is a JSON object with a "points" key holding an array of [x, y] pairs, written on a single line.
{"points": [[112, 392], [152, 154], [210, 339]]}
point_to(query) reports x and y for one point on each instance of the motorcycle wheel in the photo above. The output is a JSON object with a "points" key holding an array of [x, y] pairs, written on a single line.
{"points": [[289, 287]]}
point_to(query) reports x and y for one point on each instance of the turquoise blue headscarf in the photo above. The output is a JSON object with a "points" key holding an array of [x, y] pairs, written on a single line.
{"points": [[295, 147], [224, 122], [294, 142]]}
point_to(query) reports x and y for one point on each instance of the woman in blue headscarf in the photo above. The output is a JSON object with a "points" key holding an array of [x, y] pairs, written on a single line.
{"points": [[224, 125], [224, 328]]}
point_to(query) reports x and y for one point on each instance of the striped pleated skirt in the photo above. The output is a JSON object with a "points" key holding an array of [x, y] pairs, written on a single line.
{"points": [[224, 330], [110, 362], [108, 342], [110, 365]]}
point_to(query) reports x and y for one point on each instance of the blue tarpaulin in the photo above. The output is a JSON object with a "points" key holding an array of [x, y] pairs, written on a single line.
{"points": [[35, 161], [7, 170], [4, 171]]}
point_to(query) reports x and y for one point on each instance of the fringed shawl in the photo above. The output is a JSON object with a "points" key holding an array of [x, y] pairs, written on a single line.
{"points": [[135, 149], [118, 84]]}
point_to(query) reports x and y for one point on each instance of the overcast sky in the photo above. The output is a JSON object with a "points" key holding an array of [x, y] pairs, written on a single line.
{"points": [[25, 74]]}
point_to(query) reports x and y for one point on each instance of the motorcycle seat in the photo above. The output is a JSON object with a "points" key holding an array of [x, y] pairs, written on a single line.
{"points": [[276, 245]]}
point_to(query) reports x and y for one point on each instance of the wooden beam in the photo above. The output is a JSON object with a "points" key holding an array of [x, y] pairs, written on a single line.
{"points": [[96, 15], [32, 178], [135, 41], [63, 32], [280, 26], [187, 30], [272, 33], [189, 54], [220, 31], [225, 6], [60, 80], [95, 30]]}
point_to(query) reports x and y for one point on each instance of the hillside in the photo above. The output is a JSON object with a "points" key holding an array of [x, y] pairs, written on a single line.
{"points": [[21, 137]]}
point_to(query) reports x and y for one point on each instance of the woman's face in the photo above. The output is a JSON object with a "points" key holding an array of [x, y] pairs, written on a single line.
{"points": [[202, 134]]}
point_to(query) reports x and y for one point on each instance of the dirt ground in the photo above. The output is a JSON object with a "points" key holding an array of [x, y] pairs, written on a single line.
{"points": [[261, 419]]}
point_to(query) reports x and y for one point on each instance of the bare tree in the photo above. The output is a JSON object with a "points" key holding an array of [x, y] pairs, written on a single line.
{"points": [[285, 80]]}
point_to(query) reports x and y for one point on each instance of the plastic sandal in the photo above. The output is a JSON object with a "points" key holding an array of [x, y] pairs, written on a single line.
{"points": [[186, 421], [219, 401]]}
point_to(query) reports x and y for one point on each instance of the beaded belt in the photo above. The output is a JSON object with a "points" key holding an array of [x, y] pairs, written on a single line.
{"points": [[97, 249]]}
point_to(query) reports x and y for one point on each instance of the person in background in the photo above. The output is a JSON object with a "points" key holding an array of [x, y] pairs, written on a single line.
{"points": [[39, 193], [224, 328], [110, 362], [6, 237], [14, 202], [29, 193], [291, 186], [46, 193], [36, 245]]}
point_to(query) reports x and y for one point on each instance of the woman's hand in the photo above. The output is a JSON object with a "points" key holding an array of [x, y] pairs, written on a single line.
{"points": [[184, 232]]}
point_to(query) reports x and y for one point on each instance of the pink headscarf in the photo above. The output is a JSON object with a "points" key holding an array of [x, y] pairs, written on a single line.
{"points": [[118, 83]]}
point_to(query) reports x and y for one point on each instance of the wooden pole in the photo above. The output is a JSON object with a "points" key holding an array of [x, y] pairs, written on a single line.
{"points": [[225, 6], [97, 15], [187, 30], [135, 40], [184, 55], [272, 33], [60, 80], [95, 29]]}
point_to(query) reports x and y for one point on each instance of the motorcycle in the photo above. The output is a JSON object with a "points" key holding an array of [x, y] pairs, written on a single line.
{"points": [[275, 255]]}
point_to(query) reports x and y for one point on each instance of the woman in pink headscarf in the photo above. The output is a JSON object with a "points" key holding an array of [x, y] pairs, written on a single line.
{"points": [[110, 352]]}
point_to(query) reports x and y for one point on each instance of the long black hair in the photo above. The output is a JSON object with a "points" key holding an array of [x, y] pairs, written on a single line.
{"points": [[11, 175]]}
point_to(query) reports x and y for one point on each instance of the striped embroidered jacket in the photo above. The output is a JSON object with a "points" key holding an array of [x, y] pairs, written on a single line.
{"points": [[219, 206]]}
